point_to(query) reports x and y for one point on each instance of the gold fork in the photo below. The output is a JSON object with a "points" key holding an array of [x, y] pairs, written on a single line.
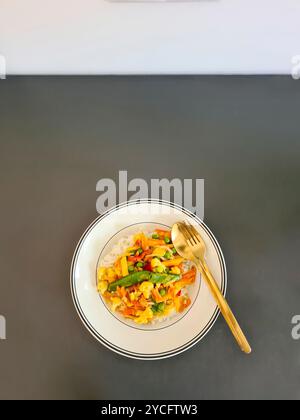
{"points": [[190, 245]]}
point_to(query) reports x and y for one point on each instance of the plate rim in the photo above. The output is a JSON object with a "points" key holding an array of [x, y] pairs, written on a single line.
{"points": [[122, 352]]}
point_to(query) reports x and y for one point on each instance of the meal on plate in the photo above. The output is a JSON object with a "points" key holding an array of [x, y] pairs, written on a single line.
{"points": [[144, 278]]}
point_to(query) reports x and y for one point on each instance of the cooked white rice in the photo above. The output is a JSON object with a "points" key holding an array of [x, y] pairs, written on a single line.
{"points": [[120, 248]]}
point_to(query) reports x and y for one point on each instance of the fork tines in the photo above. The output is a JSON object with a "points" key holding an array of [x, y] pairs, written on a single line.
{"points": [[194, 232], [188, 233]]}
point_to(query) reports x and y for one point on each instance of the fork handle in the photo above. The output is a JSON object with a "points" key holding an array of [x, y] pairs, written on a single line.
{"points": [[224, 308]]}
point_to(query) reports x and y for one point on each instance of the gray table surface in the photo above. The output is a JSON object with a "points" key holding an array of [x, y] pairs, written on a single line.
{"points": [[59, 136]]}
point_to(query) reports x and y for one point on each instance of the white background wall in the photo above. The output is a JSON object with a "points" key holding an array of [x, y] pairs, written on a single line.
{"points": [[98, 37]]}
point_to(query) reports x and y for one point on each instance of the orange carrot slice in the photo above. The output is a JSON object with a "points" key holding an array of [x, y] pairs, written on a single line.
{"points": [[172, 263]]}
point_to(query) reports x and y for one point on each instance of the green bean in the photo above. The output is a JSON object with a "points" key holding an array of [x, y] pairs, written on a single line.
{"points": [[141, 276]]}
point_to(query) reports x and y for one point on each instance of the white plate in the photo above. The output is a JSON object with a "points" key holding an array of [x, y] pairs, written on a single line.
{"points": [[159, 340]]}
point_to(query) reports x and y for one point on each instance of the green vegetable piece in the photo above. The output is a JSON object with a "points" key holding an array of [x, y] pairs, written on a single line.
{"points": [[161, 307], [154, 308], [155, 236], [141, 276], [163, 292], [168, 255], [163, 278], [167, 240]]}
